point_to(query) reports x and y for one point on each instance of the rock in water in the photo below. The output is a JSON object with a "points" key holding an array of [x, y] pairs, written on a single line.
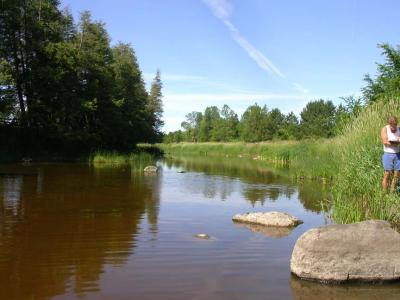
{"points": [[272, 218], [151, 169], [203, 236], [364, 251]]}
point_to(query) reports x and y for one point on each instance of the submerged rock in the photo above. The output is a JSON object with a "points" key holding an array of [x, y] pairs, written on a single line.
{"points": [[364, 251], [270, 231], [203, 236], [272, 218], [151, 169]]}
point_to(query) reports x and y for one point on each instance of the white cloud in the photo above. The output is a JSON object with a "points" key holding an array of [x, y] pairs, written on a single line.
{"points": [[222, 9], [298, 87]]}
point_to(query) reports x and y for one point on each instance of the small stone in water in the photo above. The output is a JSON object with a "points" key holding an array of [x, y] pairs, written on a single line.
{"points": [[202, 236]]}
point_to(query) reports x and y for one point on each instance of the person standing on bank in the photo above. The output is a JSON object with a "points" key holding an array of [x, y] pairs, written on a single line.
{"points": [[390, 135]]}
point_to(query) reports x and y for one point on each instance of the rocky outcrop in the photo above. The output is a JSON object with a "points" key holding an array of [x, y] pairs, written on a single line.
{"points": [[365, 251], [272, 218], [151, 170]]}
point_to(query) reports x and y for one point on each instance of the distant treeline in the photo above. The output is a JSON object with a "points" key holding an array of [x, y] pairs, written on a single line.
{"points": [[64, 89], [318, 119]]}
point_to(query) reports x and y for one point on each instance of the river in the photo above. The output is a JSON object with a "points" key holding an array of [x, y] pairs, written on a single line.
{"points": [[74, 231]]}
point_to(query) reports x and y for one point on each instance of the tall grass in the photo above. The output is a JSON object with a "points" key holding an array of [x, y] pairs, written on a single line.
{"points": [[358, 194], [308, 158], [104, 159]]}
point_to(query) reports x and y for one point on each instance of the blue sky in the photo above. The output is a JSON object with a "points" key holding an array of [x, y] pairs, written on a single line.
{"points": [[280, 53]]}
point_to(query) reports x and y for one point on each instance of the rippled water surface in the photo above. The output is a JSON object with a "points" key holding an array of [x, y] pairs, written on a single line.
{"points": [[71, 231]]}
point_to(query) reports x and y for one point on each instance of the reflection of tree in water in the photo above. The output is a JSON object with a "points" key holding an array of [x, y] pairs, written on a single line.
{"points": [[314, 196], [263, 183], [248, 171], [254, 173], [257, 193], [302, 289], [81, 220]]}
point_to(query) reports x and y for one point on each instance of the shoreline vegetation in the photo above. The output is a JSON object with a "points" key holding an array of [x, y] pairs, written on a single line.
{"points": [[352, 160]]}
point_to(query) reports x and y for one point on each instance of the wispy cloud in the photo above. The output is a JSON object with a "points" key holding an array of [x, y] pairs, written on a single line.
{"points": [[298, 87], [223, 10]]}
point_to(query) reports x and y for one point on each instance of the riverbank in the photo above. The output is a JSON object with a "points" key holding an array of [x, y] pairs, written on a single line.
{"points": [[352, 159], [307, 158]]}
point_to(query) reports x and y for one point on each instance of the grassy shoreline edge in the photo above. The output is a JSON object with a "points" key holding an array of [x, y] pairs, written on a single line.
{"points": [[353, 160]]}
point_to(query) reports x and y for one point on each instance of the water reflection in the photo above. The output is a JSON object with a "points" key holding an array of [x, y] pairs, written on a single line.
{"points": [[256, 181], [59, 229], [12, 186], [270, 231], [313, 290]]}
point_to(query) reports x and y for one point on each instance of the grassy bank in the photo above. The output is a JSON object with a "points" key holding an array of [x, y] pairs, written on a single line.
{"points": [[358, 193], [352, 159], [310, 158]]}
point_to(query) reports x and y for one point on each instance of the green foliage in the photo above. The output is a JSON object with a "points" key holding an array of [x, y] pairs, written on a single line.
{"points": [[65, 85], [138, 161], [252, 123], [318, 119], [387, 82]]}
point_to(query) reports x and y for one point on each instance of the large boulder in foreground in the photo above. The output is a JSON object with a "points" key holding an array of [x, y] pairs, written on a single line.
{"points": [[272, 218], [365, 251]]}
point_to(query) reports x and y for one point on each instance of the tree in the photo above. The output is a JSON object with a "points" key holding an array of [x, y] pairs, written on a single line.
{"points": [[273, 123], [154, 106], [290, 128], [209, 130], [345, 112], [318, 119], [387, 82], [252, 123], [229, 124], [192, 126], [129, 96]]}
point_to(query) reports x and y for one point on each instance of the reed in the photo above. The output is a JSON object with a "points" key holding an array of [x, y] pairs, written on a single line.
{"points": [[104, 159]]}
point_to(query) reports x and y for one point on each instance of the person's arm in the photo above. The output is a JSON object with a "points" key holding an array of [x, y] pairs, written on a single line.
{"points": [[384, 137]]}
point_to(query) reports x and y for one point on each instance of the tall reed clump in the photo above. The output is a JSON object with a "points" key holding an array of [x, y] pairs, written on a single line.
{"points": [[357, 191], [104, 159]]}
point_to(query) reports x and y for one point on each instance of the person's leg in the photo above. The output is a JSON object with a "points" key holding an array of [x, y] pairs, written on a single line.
{"points": [[385, 180], [396, 168], [393, 186], [387, 162]]}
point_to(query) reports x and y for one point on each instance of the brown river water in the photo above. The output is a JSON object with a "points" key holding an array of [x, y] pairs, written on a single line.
{"points": [[74, 231]]}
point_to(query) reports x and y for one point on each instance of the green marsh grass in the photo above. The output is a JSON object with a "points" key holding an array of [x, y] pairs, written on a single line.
{"points": [[138, 161]]}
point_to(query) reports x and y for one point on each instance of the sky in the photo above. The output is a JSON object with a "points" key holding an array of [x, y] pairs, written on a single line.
{"points": [[278, 53]]}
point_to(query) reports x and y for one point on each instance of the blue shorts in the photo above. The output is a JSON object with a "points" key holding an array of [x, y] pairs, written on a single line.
{"points": [[391, 161]]}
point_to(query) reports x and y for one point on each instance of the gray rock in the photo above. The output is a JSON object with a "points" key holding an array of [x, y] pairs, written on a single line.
{"points": [[151, 169], [364, 251], [203, 236], [272, 218]]}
